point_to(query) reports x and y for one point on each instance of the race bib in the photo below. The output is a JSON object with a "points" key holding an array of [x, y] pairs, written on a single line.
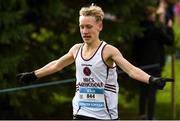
{"points": [[91, 97]]}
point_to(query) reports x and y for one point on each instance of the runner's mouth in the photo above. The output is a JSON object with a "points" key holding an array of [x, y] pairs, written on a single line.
{"points": [[86, 37]]}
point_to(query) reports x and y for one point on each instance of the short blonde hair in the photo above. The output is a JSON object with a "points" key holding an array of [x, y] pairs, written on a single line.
{"points": [[92, 10]]}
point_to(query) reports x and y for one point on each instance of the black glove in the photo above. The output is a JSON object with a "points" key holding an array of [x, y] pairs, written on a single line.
{"points": [[158, 82], [26, 78]]}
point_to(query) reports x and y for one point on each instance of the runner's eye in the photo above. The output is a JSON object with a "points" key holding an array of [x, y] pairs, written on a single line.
{"points": [[89, 26]]}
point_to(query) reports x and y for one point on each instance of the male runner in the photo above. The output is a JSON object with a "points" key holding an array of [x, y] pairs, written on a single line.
{"points": [[97, 89]]}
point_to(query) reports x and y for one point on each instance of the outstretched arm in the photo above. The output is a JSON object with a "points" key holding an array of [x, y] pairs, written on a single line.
{"points": [[131, 70], [55, 65], [50, 68], [134, 72], [112, 54], [58, 64]]}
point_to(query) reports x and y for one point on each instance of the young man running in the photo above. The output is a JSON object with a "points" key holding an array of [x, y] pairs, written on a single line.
{"points": [[97, 89]]}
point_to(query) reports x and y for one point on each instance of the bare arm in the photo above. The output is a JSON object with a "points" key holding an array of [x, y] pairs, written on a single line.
{"points": [[58, 64], [126, 66]]}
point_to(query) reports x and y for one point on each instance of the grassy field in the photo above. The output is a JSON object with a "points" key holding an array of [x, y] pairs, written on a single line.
{"points": [[163, 111]]}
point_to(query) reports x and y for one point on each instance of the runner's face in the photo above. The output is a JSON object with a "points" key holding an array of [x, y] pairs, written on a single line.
{"points": [[89, 28]]}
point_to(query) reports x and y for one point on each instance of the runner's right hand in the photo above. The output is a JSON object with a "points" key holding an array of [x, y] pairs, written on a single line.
{"points": [[26, 77]]}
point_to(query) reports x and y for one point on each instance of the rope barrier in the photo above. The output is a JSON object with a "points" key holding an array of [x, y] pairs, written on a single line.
{"points": [[36, 85], [61, 81], [143, 67]]}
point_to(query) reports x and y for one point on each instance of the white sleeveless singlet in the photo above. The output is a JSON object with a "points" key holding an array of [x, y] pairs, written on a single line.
{"points": [[96, 87]]}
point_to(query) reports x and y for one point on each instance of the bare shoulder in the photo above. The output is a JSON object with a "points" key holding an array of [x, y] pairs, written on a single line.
{"points": [[111, 54], [75, 49], [109, 46], [110, 50]]}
